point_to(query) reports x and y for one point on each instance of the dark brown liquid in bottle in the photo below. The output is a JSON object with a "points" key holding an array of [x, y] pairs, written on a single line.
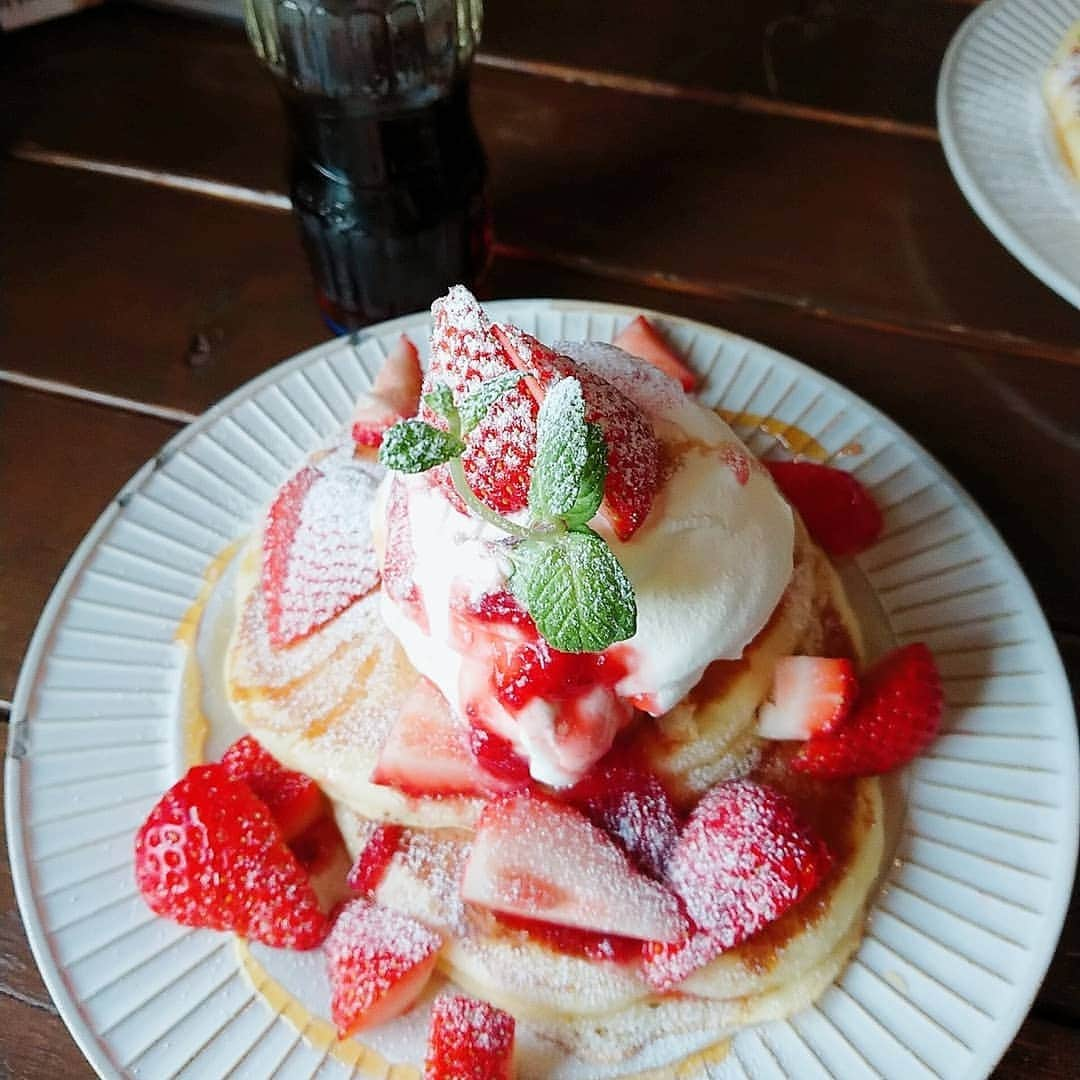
{"points": [[387, 174]]}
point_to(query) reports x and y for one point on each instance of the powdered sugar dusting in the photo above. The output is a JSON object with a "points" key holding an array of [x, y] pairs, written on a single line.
{"points": [[541, 859], [371, 952], [318, 555], [742, 860], [464, 354], [470, 1039]]}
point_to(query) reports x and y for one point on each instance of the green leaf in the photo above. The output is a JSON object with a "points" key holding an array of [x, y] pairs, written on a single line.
{"points": [[575, 590], [413, 446], [571, 459], [593, 475], [440, 400], [475, 406]]}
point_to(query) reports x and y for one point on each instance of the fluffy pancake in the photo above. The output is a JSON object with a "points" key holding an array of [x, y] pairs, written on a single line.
{"points": [[603, 1010], [325, 705]]}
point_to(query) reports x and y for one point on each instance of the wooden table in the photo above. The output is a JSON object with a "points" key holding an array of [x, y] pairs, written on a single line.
{"points": [[753, 165]]}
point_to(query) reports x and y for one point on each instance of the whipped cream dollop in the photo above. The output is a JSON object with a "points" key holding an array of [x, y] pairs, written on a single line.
{"points": [[708, 566]]}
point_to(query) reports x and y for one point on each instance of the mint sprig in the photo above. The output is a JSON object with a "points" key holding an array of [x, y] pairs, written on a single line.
{"points": [[564, 573], [571, 459]]}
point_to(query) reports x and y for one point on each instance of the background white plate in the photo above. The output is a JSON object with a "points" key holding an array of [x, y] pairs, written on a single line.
{"points": [[958, 940], [999, 140]]}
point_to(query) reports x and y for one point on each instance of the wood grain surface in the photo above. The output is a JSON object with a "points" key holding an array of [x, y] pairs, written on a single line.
{"points": [[768, 167]]}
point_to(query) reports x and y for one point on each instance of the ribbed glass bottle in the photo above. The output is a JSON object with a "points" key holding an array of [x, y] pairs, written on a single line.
{"points": [[387, 174]]}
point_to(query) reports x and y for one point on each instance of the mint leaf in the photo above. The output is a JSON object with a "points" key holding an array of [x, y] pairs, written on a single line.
{"points": [[413, 446], [591, 491], [575, 590], [475, 406], [440, 401], [571, 460]]}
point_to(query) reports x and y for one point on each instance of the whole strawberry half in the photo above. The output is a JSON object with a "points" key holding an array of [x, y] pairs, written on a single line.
{"points": [[633, 452], [318, 558], [743, 859], [469, 1040], [210, 855], [837, 510], [501, 449], [896, 715], [294, 800]]}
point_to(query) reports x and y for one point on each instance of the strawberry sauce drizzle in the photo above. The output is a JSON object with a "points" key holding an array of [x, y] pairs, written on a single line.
{"points": [[575, 942]]}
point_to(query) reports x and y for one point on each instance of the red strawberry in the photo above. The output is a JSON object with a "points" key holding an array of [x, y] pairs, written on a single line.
{"points": [[318, 558], [464, 354], [318, 846], [633, 476], [372, 862], [632, 806], [399, 556], [541, 859], [742, 860], [640, 338], [394, 395], [575, 942], [469, 1040], [293, 799], [896, 716], [837, 510], [811, 695], [210, 855], [429, 751], [379, 961]]}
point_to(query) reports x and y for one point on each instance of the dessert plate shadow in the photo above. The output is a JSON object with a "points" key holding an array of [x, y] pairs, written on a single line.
{"points": [[958, 938]]}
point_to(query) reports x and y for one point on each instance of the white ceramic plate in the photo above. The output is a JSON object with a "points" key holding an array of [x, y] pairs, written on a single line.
{"points": [[958, 939], [999, 140]]}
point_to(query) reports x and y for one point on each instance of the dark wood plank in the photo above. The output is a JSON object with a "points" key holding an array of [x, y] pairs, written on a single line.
{"points": [[61, 461], [143, 272], [857, 56], [1042, 1050], [853, 56], [712, 200], [37, 1045]]}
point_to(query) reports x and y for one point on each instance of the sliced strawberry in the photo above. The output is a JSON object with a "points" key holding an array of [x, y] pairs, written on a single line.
{"points": [[575, 942], [372, 862], [210, 855], [497, 757], [632, 806], [544, 860], [318, 557], [811, 695], [399, 556], [742, 860], [837, 510], [633, 476], [896, 716], [640, 338], [294, 800], [469, 1040], [394, 396], [464, 354], [429, 752], [379, 961]]}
